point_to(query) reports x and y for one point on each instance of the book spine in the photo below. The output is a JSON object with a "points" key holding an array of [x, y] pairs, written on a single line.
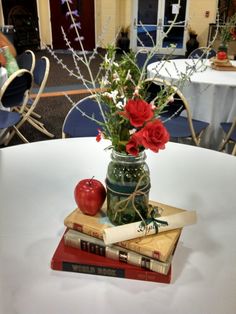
{"points": [[93, 232], [86, 243], [119, 272]]}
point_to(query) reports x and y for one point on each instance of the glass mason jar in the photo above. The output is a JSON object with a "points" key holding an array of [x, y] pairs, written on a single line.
{"points": [[128, 185]]}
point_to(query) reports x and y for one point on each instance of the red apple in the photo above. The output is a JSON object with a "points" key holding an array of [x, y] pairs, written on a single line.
{"points": [[89, 195], [221, 55]]}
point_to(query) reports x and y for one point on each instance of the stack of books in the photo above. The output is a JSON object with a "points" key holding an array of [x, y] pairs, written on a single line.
{"points": [[222, 65], [82, 249]]}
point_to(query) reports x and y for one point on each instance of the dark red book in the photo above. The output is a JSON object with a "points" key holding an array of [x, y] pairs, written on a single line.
{"points": [[72, 259]]}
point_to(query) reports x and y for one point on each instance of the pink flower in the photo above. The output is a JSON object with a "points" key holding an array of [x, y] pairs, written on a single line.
{"points": [[138, 111], [99, 136]]}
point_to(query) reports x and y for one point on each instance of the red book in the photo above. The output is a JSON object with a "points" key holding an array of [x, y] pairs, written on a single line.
{"points": [[72, 259]]}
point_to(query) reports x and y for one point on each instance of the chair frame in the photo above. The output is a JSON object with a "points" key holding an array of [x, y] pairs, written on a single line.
{"points": [[64, 135], [196, 138], [227, 139], [28, 51], [20, 110], [204, 49], [29, 110]]}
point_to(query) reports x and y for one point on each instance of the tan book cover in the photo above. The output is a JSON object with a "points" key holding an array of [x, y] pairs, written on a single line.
{"points": [[158, 246]]}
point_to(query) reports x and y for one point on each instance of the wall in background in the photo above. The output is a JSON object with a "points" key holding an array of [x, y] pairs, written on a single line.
{"points": [[44, 22], [111, 15], [121, 12], [198, 20]]}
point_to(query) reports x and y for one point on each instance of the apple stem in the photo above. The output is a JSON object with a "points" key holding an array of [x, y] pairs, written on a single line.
{"points": [[91, 180]]}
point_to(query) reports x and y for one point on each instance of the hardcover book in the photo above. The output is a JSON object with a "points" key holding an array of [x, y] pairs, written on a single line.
{"points": [[96, 246], [157, 246], [71, 259]]}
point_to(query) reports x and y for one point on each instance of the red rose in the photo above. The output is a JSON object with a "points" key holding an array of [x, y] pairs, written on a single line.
{"points": [[154, 135], [138, 111], [132, 145]]}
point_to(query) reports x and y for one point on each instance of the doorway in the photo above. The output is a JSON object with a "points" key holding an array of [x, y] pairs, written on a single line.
{"points": [[59, 19], [155, 17]]}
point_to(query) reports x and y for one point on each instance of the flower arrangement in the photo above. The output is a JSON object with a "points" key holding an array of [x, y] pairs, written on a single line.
{"points": [[130, 118], [227, 31], [131, 122]]}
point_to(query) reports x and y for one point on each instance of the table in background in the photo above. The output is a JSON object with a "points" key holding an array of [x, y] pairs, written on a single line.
{"points": [[211, 94], [36, 194]]}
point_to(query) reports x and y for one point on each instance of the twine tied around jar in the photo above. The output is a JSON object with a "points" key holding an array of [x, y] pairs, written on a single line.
{"points": [[131, 197], [151, 211]]}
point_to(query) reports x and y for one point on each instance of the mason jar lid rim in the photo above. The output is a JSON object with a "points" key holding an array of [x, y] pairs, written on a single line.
{"points": [[141, 155]]}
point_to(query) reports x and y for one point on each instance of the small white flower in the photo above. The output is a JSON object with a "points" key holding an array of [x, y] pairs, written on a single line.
{"points": [[170, 99], [104, 81], [107, 60], [120, 105], [152, 103], [132, 131], [136, 91], [106, 94], [112, 95], [116, 77]]}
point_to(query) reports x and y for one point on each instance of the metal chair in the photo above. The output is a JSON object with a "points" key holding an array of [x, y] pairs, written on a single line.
{"points": [[178, 126], [230, 135], [26, 60], [76, 124], [40, 77], [14, 94], [203, 53]]}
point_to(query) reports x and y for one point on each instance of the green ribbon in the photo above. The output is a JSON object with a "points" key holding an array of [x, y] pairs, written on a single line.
{"points": [[152, 219]]}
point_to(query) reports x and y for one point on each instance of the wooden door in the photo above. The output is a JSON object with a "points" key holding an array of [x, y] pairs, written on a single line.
{"points": [[59, 19]]}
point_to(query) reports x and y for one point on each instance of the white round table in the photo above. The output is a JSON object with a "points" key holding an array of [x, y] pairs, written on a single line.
{"points": [[211, 94], [36, 194]]}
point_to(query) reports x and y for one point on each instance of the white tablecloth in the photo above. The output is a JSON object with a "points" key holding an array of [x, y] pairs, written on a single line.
{"points": [[37, 181], [211, 94]]}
